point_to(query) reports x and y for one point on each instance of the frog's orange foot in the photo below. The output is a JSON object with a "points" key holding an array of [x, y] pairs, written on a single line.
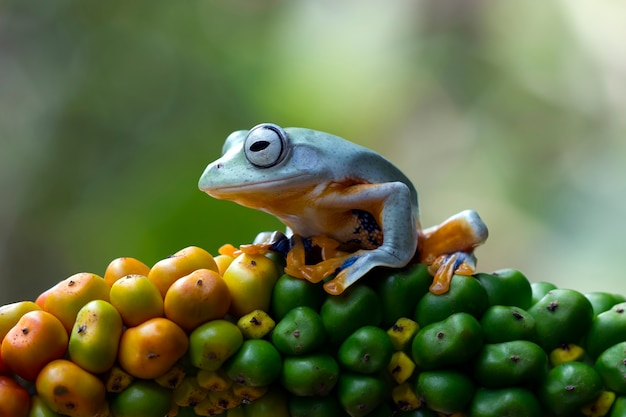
{"points": [[462, 232], [332, 259], [255, 249], [251, 249], [314, 273], [340, 265], [334, 287], [445, 266], [328, 247], [342, 280]]}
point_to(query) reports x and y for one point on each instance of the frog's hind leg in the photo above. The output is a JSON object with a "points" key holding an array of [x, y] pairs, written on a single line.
{"points": [[448, 249]]}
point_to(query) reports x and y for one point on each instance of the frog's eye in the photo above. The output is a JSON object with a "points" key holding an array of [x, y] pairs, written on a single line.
{"points": [[265, 145]]}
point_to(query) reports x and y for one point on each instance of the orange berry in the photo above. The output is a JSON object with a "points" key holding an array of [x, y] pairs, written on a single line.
{"points": [[196, 298], [65, 299], [68, 389], [165, 272], [120, 267], [137, 299], [14, 399], [36, 339], [223, 261], [11, 313], [149, 350]]}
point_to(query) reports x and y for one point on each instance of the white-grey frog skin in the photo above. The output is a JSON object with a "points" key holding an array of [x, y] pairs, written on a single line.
{"points": [[322, 186]]}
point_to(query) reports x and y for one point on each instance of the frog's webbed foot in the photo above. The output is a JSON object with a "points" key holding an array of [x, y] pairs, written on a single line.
{"points": [[357, 264], [332, 258], [445, 266], [348, 272], [348, 266], [448, 249]]}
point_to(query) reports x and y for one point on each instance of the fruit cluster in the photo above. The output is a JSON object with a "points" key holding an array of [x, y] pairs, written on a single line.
{"points": [[231, 335]]}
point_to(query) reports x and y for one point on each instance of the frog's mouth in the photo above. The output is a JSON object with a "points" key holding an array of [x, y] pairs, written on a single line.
{"points": [[254, 187]]}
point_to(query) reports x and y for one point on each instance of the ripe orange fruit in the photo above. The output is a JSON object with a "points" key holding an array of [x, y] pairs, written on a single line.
{"points": [[250, 279], [11, 313], [182, 263], [223, 261], [36, 339], [14, 399], [70, 295], [68, 389], [149, 350], [196, 298], [120, 267], [4, 369], [137, 299], [41, 299]]}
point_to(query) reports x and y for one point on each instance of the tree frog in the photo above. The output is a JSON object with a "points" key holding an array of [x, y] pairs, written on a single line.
{"points": [[352, 203]]}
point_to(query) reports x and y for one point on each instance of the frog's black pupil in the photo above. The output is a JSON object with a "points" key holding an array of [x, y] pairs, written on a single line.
{"points": [[259, 145]]}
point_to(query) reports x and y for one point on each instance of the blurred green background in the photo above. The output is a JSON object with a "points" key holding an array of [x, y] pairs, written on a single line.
{"points": [[109, 112]]}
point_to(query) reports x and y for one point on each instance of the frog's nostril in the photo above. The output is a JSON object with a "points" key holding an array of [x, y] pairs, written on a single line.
{"points": [[219, 166]]}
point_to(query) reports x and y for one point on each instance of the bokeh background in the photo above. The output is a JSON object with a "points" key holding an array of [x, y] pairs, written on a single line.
{"points": [[109, 112]]}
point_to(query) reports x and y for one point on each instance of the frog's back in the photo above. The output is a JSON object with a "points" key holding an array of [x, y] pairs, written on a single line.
{"points": [[348, 159]]}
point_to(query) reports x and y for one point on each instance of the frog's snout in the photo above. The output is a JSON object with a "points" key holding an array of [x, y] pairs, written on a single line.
{"points": [[205, 183]]}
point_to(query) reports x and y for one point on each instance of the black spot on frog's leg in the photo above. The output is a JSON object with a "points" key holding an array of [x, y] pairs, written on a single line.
{"points": [[308, 244], [367, 230], [285, 244], [282, 246]]}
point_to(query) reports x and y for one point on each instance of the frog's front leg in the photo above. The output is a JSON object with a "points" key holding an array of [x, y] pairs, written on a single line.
{"points": [[390, 205]]}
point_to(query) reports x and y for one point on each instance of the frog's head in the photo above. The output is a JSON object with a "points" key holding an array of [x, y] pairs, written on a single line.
{"points": [[264, 159]]}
